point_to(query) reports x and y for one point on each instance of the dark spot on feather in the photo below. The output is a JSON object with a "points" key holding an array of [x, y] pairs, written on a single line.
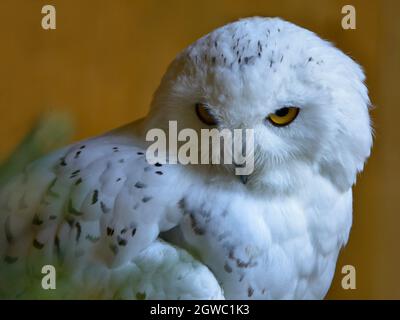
{"points": [[37, 244], [79, 231], [95, 196], [36, 221], [121, 241], [57, 244], [310, 59], [110, 231], [181, 204], [159, 173], [92, 238], [157, 164], [118, 180], [281, 59], [78, 182], [141, 296], [62, 162], [195, 227], [140, 185], [74, 174], [10, 260], [123, 231], [146, 199], [240, 263], [70, 221], [77, 154], [250, 292], [227, 268], [133, 232], [121, 160], [72, 210], [83, 147], [104, 207], [140, 153]]}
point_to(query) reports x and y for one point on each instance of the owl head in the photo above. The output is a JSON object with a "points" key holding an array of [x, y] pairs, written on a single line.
{"points": [[305, 100]]}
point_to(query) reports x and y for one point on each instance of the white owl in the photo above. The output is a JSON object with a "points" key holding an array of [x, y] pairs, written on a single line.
{"points": [[115, 226]]}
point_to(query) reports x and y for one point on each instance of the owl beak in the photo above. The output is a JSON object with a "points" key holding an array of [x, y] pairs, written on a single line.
{"points": [[244, 179]]}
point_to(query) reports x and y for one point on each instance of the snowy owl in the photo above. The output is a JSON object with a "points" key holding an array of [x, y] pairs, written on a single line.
{"points": [[115, 225]]}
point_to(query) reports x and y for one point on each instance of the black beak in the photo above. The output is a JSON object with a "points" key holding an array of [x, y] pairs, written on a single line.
{"points": [[244, 179]]}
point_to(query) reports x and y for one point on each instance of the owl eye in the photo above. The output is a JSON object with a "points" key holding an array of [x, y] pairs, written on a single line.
{"points": [[284, 116], [204, 115]]}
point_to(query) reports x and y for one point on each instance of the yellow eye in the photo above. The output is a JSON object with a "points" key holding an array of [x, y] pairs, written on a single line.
{"points": [[284, 116], [204, 114]]}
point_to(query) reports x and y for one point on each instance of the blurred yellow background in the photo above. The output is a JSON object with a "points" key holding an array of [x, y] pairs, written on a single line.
{"points": [[106, 58]]}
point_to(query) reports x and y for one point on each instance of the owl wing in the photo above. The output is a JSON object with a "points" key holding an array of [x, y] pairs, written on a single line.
{"points": [[98, 203]]}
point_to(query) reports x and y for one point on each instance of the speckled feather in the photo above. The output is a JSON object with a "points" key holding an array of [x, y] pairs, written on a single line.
{"points": [[96, 209]]}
